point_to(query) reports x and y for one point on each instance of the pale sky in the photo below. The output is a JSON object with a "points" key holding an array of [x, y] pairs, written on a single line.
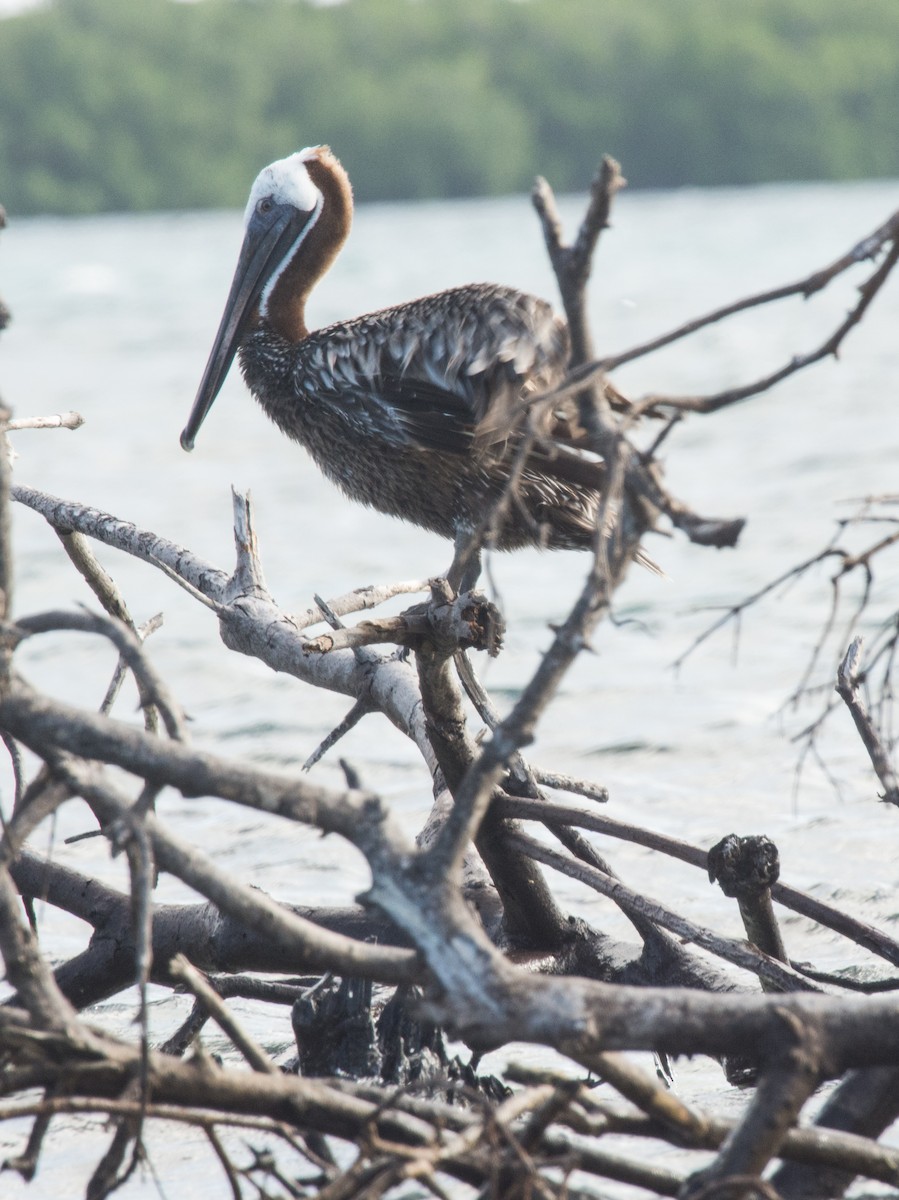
{"points": [[13, 6]]}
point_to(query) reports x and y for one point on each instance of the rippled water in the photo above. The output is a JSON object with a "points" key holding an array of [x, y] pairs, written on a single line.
{"points": [[114, 317]]}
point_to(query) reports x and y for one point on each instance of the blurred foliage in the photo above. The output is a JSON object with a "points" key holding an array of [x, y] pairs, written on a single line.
{"points": [[110, 105]]}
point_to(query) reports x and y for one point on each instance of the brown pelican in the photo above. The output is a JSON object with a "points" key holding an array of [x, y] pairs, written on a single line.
{"points": [[414, 410]]}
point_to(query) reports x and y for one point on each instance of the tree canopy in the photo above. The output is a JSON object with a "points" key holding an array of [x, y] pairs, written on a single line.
{"points": [[105, 106]]}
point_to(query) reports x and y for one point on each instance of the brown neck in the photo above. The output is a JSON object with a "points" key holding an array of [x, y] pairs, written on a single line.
{"points": [[321, 245]]}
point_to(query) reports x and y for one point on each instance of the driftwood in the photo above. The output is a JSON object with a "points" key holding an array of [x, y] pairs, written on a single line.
{"points": [[459, 923]]}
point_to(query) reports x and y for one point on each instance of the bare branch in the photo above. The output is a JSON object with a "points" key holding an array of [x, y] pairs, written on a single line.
{"points": [[847, 687], [572, 264], [867, 249], [129, 646], [738, 953], [252, 624], [67, 420], [182, 970], [829, 347], [359, 600], [494, 960], [864, 935]]}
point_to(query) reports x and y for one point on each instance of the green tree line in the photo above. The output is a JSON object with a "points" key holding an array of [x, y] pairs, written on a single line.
{"points": [[155, 104]]}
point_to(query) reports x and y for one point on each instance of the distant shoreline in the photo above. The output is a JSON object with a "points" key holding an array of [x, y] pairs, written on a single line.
{"points": [[167, 106]]}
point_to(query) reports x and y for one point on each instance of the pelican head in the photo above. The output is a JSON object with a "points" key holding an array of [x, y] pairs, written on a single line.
{"points": [[297, 218]]}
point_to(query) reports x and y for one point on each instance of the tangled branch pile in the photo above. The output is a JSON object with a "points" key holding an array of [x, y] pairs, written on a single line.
{"points": [[459, 932]]}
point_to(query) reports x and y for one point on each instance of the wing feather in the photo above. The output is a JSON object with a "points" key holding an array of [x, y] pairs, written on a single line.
{"points": [[446, 372]]}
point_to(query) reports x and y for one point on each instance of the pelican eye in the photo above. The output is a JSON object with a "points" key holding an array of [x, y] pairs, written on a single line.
{"points": [[265, 205]]}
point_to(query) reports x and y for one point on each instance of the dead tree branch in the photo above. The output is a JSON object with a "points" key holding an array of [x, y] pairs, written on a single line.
{"points": [[847, 688], [429, 921]]}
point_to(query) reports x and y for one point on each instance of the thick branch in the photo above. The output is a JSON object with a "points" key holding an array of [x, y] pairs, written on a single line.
{"points": [[211, 938], [531, 915], [781, 1092], [250, 624]]}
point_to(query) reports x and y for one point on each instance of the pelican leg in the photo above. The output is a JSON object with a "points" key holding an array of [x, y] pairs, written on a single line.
{"points": [[465, 569]]}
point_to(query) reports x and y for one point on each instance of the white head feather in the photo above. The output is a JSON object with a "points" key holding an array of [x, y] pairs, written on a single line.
{"points": [[287, 182]]}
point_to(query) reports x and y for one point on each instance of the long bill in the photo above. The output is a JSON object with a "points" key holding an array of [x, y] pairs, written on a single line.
{"points": [[268, 241]]}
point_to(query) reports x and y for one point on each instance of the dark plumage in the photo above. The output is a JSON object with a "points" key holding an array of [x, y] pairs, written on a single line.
{"points": [[414, 409]]}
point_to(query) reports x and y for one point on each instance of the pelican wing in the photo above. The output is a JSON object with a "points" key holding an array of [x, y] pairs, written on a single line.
{"points": [[447, 372]]}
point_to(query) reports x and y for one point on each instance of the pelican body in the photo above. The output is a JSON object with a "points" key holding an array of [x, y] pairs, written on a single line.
{"points": [[412, 410]]}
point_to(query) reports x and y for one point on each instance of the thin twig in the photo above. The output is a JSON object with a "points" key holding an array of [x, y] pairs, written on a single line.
{"points": [[181, 969], [66, 420], [359, 710], [129, 646], [592, 371], [847, 687], [359, 600]]}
